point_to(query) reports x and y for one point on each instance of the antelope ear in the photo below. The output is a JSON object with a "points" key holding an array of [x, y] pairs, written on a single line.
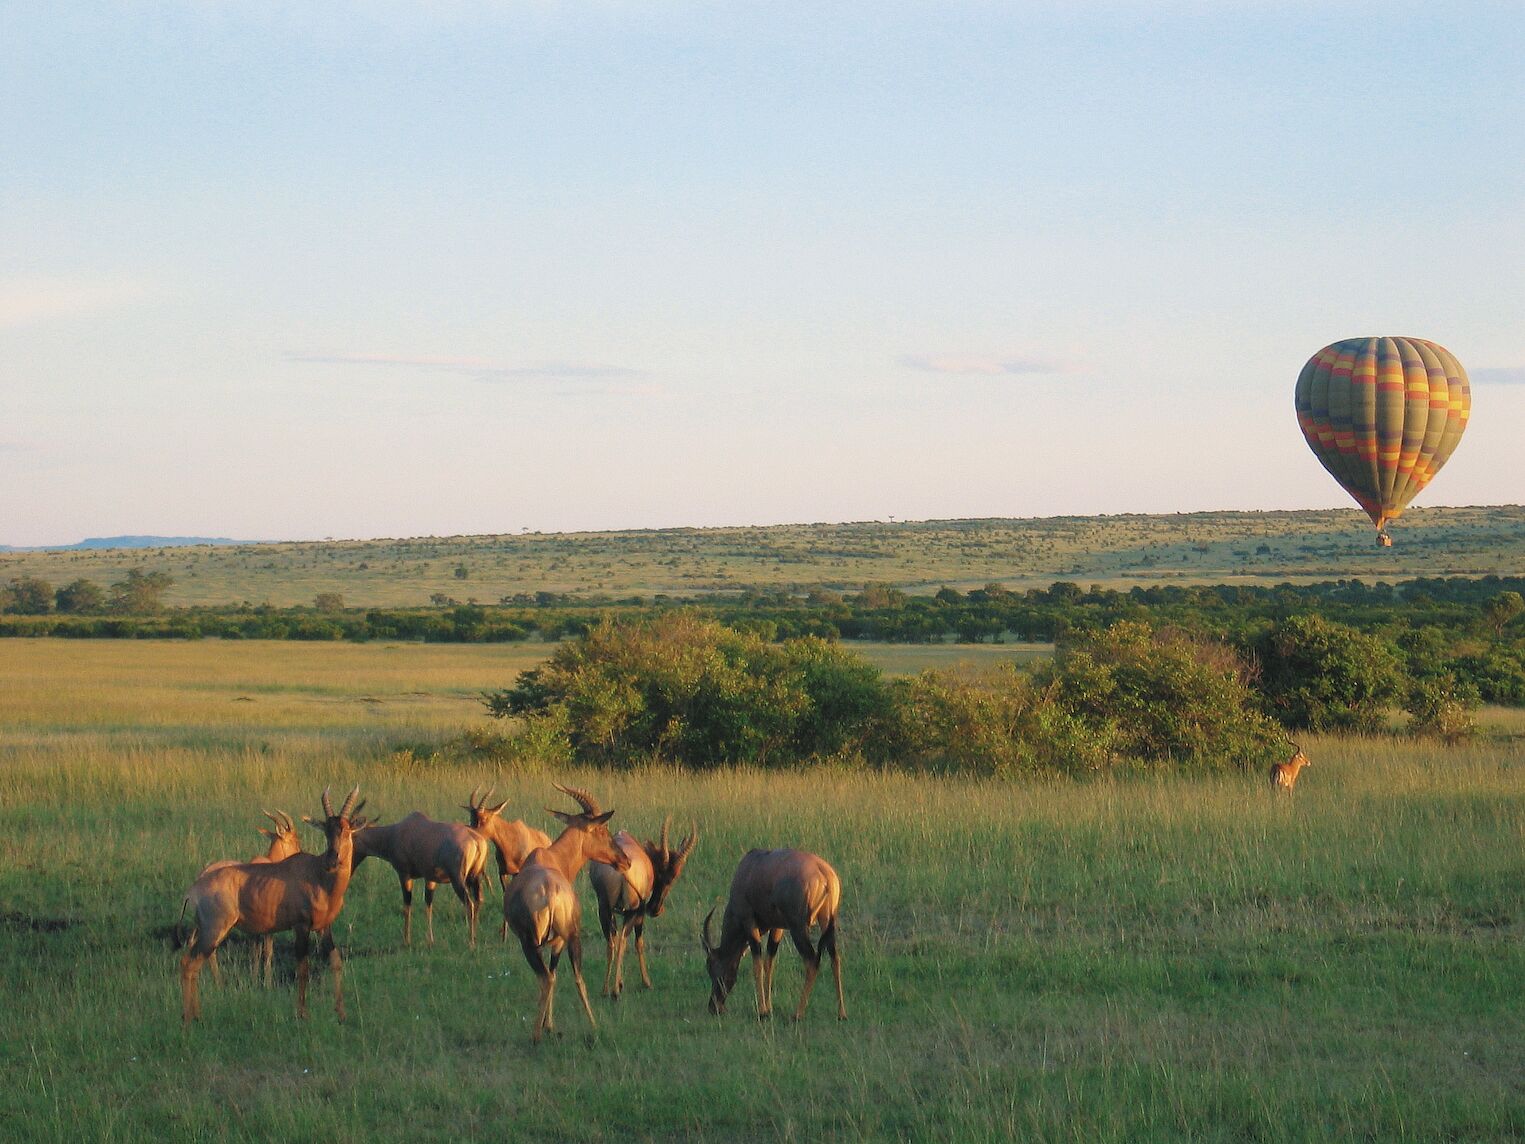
{"points": [[316, 824], [499, 808], [600, 819], [265, 832], [561, 816]]}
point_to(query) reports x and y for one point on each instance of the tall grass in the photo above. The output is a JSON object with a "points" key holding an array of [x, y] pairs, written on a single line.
{"points": [[1147, 958]]}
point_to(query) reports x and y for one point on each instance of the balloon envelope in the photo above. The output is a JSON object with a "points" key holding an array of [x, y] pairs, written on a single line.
{"points": [[1383, 415]]}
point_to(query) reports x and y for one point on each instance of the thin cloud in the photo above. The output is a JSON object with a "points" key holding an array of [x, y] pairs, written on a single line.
{"points": [[1499, 375], [483, 368], [979, 365], [26, 301]]}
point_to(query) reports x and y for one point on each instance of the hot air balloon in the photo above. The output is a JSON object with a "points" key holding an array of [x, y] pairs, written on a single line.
{"points": [[1383, 415]]}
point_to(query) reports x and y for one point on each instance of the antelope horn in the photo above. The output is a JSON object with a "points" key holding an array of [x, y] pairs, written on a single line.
{"points": [[471, 800], [271, 817], [349, 801], [666, 852], [328, 806], [588, 803], [688, 843], [286, 821], [704, 933]]}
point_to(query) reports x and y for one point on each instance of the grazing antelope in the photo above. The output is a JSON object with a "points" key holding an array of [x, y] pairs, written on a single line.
{"points": [[419, 847], [626, 900], [283, 844], [541, 907], [513, 841], [303, 893], [1284, 775], [775, 891]]}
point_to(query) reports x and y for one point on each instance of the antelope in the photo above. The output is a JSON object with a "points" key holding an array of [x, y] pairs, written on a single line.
{"points": [[541, 907], [513, 841], [302, 893], [1284, 775], [640, 892], [283, 844], [419, 847], [775, 891]]}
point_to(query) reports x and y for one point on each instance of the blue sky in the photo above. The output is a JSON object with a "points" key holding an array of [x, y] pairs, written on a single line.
{"points": [[301, 270]]}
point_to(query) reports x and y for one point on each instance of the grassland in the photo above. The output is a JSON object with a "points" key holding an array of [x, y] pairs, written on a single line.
{"points": [[1115, 551], [1152, 959]]}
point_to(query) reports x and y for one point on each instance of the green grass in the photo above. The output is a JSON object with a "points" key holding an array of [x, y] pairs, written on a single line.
{"points": [[1113, 551], [1153, 959]]}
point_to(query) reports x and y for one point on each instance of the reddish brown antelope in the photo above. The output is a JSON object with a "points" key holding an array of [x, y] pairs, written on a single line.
{"points": [[1284, 775], [419, 847], [513, 841], [283, 844], [774, 892], [541, 907], [626, 900], [303, 893]]}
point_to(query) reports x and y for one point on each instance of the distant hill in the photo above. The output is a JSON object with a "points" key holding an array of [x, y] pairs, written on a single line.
{"points": [[99, 542], [915, 556]]}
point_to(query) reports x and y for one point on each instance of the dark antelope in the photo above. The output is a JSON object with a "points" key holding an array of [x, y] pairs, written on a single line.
{"points": [[626, 900], [419, 847], [513, 841], [303, 893], [774, 892], [1284, 775], [541, 908]]}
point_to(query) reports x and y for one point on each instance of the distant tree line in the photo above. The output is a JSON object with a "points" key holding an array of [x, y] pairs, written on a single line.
{"points": [[1435, 642]]}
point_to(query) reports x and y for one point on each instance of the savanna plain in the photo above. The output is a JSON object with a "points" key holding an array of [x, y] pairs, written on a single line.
{"points": [[1138, 958]]}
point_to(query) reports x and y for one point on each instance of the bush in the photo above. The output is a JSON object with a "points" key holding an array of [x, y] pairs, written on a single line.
{"points": [[1441, 707], [682, 688], [1324, 676], [1162, 696]]}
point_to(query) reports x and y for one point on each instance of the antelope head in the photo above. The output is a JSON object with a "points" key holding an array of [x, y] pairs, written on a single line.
{"points": [[339, 827], [667, 864], [597, 843], [1298, 759], [722, 970], [285, 830], [477, 806]]}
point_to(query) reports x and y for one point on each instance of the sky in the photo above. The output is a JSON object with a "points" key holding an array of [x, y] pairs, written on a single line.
{"points": [[303, 270]]}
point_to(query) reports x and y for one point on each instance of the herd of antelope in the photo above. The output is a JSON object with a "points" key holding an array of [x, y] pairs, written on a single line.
{"points": [[773, 892]]}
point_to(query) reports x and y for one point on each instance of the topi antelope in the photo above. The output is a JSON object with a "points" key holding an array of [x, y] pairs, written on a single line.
{"points": [[419, 847], [303, 893], [541, 907], [1284, 775], [626, 900], [775, 891], [513, 841], [283, 844]]}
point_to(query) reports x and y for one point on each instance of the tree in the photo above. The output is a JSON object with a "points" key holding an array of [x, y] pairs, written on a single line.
{"points": [[81, 597], [140, 594], [328, 602], [1502, 610], [1324, 676], [28, 596]]}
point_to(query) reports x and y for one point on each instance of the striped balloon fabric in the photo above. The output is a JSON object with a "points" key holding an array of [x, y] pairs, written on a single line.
{"points": [[1383, 415]]}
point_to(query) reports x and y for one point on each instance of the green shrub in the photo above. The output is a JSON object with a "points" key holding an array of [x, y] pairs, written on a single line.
{"points": [[1324, 676], [1442, 707]]}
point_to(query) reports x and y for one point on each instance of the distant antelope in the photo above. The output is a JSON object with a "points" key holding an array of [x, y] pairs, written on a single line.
{"points": [[1284, 775], [303, 893], [541, 907], [773, 892], [626, 900], [513, 841], [419, 847], [283, 844]]}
